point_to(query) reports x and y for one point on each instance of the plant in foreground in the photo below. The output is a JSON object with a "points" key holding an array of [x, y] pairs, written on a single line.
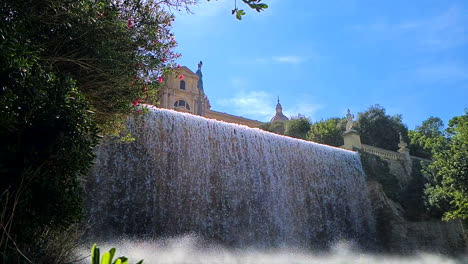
{"points": [[107, 257]]}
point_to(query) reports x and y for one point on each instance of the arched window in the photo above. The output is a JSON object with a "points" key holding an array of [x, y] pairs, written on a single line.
{"points": [[182, 103], [182, 85]]}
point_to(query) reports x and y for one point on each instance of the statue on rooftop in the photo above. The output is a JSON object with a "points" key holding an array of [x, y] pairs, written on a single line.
{"points": [[349, 124], [200, 76]]}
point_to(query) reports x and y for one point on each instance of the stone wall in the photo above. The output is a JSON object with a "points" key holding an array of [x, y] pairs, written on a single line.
{"points": [[396, 234]]}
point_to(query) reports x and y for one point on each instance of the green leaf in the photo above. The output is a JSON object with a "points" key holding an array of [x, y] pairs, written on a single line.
{"points": [[112, 253], [105, 258], [239, 14], [95, 254]]}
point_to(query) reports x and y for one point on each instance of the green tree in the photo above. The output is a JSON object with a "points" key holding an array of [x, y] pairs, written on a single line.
{"points": [[297, 127], [381, 130], [329, 132], [56, 56], [114, 50], [47, 134], [447, 190], [427, 138], [275, 127], [432, 127]]}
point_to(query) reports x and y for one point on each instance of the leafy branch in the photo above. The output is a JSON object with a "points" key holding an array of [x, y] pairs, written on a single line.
{"points": [[253, 4]]}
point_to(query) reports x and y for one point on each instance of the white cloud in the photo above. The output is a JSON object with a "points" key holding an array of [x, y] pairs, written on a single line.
{"points": [[254, 104], [289, 59], [261, 106]]}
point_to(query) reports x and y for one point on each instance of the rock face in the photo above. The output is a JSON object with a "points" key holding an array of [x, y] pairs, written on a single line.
{"points": [[398, 235]]}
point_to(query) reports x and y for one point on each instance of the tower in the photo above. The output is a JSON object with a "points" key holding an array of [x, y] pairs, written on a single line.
{"points": [[279, 117]]}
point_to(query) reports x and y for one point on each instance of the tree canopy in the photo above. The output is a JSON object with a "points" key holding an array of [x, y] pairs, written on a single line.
{"points": [[427, 138], [329, 132], [297, 127], [448, 174], [381, 130]]}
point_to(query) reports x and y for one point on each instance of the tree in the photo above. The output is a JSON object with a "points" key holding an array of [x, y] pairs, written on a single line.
{"points": [[427, 138], [297, 127], [57, 56], [114, 50], [275, 127], [47, 134], [329, 132], [448, 174], [433, 127], [381, 130]]}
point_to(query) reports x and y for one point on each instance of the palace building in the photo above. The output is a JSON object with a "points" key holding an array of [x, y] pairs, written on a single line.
{"points": [[187, 95]]}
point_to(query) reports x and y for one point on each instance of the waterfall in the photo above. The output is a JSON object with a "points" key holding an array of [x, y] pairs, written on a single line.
{"points": [[227, 183]]}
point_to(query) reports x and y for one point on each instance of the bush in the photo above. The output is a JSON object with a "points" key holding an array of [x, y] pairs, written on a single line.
{"points": [[47, 138]]}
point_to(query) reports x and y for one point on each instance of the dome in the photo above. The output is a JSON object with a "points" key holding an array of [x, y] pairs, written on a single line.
{"points": [[279, 117]]}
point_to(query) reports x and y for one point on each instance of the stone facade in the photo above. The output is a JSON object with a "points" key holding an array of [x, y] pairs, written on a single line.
{"points": [[187, 95]]}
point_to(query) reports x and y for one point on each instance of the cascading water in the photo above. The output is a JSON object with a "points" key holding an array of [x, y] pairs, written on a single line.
{"points": [[227, 183]]}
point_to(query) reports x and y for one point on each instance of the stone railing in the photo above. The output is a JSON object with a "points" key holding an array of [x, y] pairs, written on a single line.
{"points": [[421, 159], [383, 153]]}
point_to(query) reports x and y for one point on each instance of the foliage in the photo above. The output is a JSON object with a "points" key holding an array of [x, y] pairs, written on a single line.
{"points": [[114, 50], [412, 196], [381, 130], [253, 4], [377, 169], [447, 190], [329, 132], [47, 136], [427, 138], [409, 195], [297, 127], [275, 127], [107, 257], [432, 127]]}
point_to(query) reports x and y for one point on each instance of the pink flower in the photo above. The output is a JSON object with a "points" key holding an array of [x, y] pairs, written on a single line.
{"points": [[130, 23], [178, 66], [160, 79], [181, 77], [138, 111], [136, 102], [132, 83]]}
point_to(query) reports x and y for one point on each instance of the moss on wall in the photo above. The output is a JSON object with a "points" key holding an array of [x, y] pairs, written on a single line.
{"points": [[378, 170], [408, 193]]}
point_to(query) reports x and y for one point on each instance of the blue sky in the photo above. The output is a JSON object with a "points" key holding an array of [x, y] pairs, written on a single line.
{"points": [[323, 57]]}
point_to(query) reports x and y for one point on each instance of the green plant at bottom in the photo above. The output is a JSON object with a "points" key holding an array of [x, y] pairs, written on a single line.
{"points": [[107, 257]]}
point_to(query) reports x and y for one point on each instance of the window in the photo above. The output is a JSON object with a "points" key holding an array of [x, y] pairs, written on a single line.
{"points": [[182, 85], [182, 103]]}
